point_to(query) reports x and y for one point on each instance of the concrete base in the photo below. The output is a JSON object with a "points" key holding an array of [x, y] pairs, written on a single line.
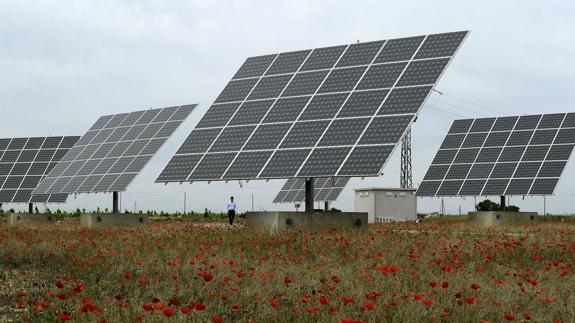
{"points": [[502, 217], [280, 221], [22, 218], [113, 220]]}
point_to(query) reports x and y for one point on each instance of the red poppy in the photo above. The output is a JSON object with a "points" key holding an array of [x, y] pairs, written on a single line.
{"points": [[287, 280], [428, 301], [185, 309], [66, 316], [418, 296], [475, 286], [208, 277], [217, 319], [346, 300], [509, 317], [168, 311], [274, 302], [367, 306], [235, 307], [348, 320], [127, 276], [335, 279], [199, 306], [312, 310], [323, 300], [433, 284], [444, 284], [469, 300], [148, 307], [59, 284]]}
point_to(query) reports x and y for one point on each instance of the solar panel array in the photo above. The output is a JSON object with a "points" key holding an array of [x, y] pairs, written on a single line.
{"points": [[24, 162], [501, 156], [113, 151], [334, 111], [325, 189]]}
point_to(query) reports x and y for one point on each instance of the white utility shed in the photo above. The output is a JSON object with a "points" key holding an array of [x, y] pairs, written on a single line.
{"points": [[386, 204]]}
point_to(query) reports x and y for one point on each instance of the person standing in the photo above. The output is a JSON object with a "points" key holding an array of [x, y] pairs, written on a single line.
{"points": [[232, 210]]}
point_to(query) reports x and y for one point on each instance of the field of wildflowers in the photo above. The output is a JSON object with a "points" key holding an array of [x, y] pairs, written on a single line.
{"points": [[176, 272]]}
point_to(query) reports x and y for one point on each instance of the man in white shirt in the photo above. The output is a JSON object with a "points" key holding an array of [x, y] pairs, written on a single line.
{"points": [[231, 210]]}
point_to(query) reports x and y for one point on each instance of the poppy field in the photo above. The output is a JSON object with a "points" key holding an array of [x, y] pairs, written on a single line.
{"points": [[179, 271]]}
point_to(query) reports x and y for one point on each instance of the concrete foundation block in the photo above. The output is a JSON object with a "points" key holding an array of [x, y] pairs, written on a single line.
{"points": [[30, 218], [112, 220], [280, 221], [502, 217]]}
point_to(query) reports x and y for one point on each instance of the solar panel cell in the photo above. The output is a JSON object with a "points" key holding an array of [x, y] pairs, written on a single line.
{"points": [[381, 76], [267, 136], [438, 45], [248, 164], [285, 163], [395, 127], [305, 83], [323, 58], [255, 66], [365, 160], [324, 161], [270, 87], [401, 49], [288, 62], [251, 112], [405, 100], [423, 72], [364, 103], [360, 53], [342, 80]]}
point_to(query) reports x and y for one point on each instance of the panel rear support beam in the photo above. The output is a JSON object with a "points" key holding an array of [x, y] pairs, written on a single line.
{"points": [[30, 208], [309, 195], [115, 199], [502, 205]]}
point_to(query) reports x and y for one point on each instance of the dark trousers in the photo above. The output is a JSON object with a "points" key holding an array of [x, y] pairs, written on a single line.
{"points": [[231, 216]]}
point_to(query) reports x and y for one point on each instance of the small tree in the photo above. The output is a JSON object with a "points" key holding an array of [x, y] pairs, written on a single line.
{"points": [[487, 205]]}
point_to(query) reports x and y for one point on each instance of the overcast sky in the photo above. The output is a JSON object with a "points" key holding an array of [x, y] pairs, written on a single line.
{"points": [[65, 63]]}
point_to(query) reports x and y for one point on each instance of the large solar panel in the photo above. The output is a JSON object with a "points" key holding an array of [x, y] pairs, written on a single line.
{"points": [[113, 151], [518, 155], [24, 162], [325, 189], [334, 111]]}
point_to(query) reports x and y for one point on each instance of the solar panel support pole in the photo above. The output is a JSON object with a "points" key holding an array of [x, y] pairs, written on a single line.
{"points": [[502, 204], [406, 180], [326, 205], [30, 208], [115, 199], [309, 195]]}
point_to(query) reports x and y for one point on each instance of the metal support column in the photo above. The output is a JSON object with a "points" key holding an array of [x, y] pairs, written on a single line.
{"points": [[502, 205], [326, 206], [309, 195], [406, 180], [115, 203], [30, 208]]}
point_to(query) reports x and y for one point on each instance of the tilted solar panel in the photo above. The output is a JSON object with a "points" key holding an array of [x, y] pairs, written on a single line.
{"points": [[24, 162], [517, 155], [334, 111], [113, 151], [325, 189]]}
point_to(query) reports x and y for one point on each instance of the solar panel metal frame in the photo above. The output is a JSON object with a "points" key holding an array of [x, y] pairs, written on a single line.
{"points": [[534, 152], [333, 186], [236, 92], [31, 159], [114, 168]]}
